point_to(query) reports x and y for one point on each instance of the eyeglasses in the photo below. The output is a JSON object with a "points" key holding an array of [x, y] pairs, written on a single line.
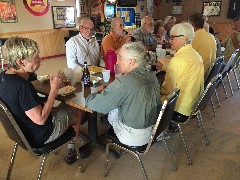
{"points": [[172, 37], [88, 28]]}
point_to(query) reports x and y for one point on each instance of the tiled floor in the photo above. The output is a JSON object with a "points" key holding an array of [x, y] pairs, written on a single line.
{"points": [[218, 161]]}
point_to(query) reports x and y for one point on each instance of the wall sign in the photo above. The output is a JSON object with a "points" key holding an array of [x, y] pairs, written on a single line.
{"points": [[8, 11], [37, 7], [63, 16], [127, 14], [212, 8]]}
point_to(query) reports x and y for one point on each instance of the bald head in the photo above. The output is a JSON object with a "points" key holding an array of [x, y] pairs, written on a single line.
{"points": [[117, 26], [147, 24]]}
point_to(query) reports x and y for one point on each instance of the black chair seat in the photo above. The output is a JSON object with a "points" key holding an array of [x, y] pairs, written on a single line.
{"points": [[112, 136], [178, 117], [46, 148]]}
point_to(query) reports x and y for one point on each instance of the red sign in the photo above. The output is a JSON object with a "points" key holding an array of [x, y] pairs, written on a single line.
{"points": [[37, 7]]}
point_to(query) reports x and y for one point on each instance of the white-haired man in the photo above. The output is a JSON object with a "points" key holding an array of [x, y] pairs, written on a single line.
{"points": [[83, 47], [145, 34], [133, 99], [116, 39]]}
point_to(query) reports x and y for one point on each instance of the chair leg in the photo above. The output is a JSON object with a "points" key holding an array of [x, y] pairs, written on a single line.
{"points": [[216, 94], [224, 88], [199, 124], [170, 154], [106, 161], [213, 107], [40, 172], [141, 164], [185, 145], [78, 156], [230, 84], [236, 77], [12, 161], [204, 131]]}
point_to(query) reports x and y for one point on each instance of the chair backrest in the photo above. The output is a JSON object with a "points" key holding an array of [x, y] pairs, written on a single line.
{"points": [[214, 70], [207, 93], [164, 118], [12, 129], [231, 61]]}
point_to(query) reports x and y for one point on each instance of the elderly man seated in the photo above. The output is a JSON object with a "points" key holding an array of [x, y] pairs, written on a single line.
{"points": [[116, 38], [133, 99], [83, 47], [203, 42], [185, 71], [145, 34]]}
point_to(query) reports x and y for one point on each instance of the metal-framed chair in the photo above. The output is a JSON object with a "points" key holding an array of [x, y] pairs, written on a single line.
{"points": [[200, 105], [15, 134], [228, 68], [216, 68], [161, 125]]}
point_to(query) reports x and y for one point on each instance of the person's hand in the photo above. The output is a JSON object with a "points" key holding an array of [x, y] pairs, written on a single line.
{"points": [[56, 81], [159, 65], [101, 88]]}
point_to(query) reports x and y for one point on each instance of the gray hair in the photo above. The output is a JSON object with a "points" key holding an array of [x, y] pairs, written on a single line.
{"points": [[185, 29], [113, 22], [136, 51], [146, 18], [84, 20], [19, 48]]}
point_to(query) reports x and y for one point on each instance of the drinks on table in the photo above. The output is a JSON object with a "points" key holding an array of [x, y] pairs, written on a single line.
{"points": [[86, 75]]}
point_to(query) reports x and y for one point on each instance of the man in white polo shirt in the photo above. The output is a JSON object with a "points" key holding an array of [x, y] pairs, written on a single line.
{"points": [[83, 47]]}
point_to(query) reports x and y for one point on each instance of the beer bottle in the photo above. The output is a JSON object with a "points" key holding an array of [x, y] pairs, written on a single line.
{"points": [[86, 76]]}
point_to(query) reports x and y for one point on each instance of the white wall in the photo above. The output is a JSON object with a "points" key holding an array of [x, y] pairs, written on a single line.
{"points": [[29, 22]]}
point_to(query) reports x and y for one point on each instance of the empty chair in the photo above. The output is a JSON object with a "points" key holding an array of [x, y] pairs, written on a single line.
{"points": [[15, 134], [200, 105], [161, 125]]}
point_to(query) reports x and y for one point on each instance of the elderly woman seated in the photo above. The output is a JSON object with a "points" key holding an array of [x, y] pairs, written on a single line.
{"points": [[185, 71], [133, 99]]}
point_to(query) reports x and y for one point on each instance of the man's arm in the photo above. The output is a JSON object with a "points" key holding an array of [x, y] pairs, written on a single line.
{"points": [[110, 98]]}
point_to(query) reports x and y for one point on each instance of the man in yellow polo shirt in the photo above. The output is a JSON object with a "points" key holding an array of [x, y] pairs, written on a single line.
{"points": [[203, 42]]}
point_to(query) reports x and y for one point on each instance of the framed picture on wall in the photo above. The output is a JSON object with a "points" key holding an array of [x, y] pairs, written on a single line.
{"points": [[63, 17], [212, 8], [8, 11]]}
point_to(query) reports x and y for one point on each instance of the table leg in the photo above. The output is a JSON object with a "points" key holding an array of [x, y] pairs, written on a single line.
{"points": [[93, 138]]}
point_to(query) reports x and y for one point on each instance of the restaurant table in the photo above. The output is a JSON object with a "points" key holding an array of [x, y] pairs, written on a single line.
{"points": [[77, 100]]}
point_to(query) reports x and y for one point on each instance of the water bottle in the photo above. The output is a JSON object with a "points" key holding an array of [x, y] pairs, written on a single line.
{"points": [[160, 52], [86, 76], [110, 61]]}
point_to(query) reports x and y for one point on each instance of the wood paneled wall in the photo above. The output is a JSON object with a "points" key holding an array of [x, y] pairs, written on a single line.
{"points": [[51, 42], [224, 28]]}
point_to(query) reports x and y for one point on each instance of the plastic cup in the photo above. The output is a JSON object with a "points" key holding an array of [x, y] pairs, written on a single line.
{"points": [[106, 75], [77, 74], [67, 81], [67, 72]]}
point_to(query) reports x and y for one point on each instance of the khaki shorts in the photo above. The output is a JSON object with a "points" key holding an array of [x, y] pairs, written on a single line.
{"points": [[62, 119]]}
